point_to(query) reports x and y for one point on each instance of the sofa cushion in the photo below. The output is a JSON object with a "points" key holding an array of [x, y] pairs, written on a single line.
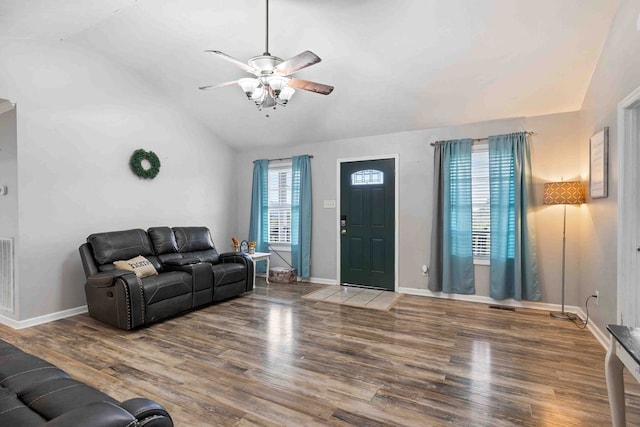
{"points": [[226, 273], [18, 371], [163, 240], [191, 239], [15, 413], [117, 245], [139, 265], [53, 398]]}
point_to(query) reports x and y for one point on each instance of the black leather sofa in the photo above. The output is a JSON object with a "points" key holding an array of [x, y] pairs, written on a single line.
{"points": [[35, 393], [191, 274]]}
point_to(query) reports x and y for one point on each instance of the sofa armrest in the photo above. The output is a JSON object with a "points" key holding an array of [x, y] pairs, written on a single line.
{"points": [[181, 261], [241, 258], [148, 413], [116, 297], [231, 257], [202, 280], [106, 278], [97, 414]]}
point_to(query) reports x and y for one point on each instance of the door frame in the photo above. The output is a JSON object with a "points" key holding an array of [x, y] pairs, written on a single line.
{"points": [[396, 165], [628, 138]]}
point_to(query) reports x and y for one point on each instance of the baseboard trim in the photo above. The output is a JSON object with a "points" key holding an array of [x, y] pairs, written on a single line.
{"points": [[34, 321], [321, 281], [488, 300], [602, 338]]}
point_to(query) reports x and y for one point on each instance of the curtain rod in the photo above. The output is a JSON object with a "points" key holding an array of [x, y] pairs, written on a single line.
{"points": [[283, 158], [433, 144]]}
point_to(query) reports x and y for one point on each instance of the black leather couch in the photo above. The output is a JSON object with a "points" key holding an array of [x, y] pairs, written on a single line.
{"points": [[35, 393], [191, 274]]}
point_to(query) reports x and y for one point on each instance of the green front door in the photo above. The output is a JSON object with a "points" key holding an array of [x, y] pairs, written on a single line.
{"points": [[367, 223]]}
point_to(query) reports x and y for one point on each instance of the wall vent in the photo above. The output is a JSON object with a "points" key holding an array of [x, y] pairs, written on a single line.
{"points": [[6, 274]]}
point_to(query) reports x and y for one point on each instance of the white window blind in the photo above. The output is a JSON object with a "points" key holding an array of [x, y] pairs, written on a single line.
{"points": [[280, 204], [481, 213]]}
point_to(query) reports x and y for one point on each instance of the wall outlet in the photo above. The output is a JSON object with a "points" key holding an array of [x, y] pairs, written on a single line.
{"points": [[597, 294]]}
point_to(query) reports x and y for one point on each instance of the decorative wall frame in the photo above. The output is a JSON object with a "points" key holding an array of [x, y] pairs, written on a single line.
{"points": [[599, 164]]}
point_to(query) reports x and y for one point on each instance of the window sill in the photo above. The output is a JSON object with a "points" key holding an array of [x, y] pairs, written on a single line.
{"points": [[481, 261], [280, 247]]}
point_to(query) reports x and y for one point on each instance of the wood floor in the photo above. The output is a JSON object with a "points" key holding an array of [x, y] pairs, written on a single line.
{"points": [[273, 358]]}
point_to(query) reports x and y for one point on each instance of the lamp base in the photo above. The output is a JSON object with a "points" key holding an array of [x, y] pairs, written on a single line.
{"points": [[562, 315]]}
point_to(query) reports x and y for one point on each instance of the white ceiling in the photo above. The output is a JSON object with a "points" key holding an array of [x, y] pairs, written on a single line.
{"points": [[397, 66]]}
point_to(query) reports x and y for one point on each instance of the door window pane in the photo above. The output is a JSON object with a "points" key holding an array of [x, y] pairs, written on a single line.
{"points": [[367, 177]]}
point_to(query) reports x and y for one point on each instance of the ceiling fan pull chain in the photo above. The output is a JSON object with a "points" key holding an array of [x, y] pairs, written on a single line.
{"points": [[266, 38]]}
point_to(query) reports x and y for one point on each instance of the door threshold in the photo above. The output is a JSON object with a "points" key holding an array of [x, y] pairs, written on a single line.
{"points": [[377, 288]]}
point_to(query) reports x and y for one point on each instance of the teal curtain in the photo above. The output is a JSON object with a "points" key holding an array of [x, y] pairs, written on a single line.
{"points": [[451, 240], [258, 222], [514, 265], [301, 215]]}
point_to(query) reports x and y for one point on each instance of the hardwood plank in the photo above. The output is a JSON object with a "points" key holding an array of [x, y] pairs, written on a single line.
{"points": [[272, 358]]}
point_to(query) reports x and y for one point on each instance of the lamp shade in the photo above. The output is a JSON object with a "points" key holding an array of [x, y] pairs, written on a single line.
{"points": [[249, 86], [563, 193]]}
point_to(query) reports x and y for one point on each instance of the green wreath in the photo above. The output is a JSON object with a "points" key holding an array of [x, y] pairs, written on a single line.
{"points": [[136, 164]]}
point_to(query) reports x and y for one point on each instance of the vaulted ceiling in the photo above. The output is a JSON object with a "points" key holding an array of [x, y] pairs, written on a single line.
{"points": [[396, 66]]}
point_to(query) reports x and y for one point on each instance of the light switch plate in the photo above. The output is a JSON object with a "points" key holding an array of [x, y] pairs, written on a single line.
{"points": [[3, 190], [329, 204]]}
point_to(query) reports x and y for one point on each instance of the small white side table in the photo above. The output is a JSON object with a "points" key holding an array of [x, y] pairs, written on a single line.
{"points": [[259, 256]]}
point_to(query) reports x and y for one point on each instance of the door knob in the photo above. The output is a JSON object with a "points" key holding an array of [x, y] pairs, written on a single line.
{"points": [[343, 232]]}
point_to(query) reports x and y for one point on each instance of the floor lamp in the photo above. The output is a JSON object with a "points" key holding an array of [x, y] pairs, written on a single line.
{"points": [[563, 193]]}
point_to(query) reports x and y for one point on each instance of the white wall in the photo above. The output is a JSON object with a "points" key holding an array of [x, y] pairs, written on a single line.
{"points": [[8, 174], [79, 120], [8, 178], [552, 147], [616, 75]]}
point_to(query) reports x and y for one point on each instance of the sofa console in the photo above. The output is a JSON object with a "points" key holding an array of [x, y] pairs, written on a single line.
{"points": [[35, 393], [137, 277]]}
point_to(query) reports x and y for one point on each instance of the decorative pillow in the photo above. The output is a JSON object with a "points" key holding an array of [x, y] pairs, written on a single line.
{"points": [[139, 265]]}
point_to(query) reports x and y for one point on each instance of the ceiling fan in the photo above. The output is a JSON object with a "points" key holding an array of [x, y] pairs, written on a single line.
{"points": [[272, 85]]}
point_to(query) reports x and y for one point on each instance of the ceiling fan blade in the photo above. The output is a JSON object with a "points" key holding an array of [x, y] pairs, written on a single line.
{"points": [[234, 61], [225, 84], [297, 63], [310, 86]]}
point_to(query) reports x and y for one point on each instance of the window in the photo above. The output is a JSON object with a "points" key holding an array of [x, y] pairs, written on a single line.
{"points": [[367, 177], [279, 210], [481, 218]]}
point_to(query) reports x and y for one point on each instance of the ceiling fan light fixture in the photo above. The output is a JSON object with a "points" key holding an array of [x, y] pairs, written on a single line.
{"points": [[277, 83], [286, 94], [258, 94], [249, 86]]}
